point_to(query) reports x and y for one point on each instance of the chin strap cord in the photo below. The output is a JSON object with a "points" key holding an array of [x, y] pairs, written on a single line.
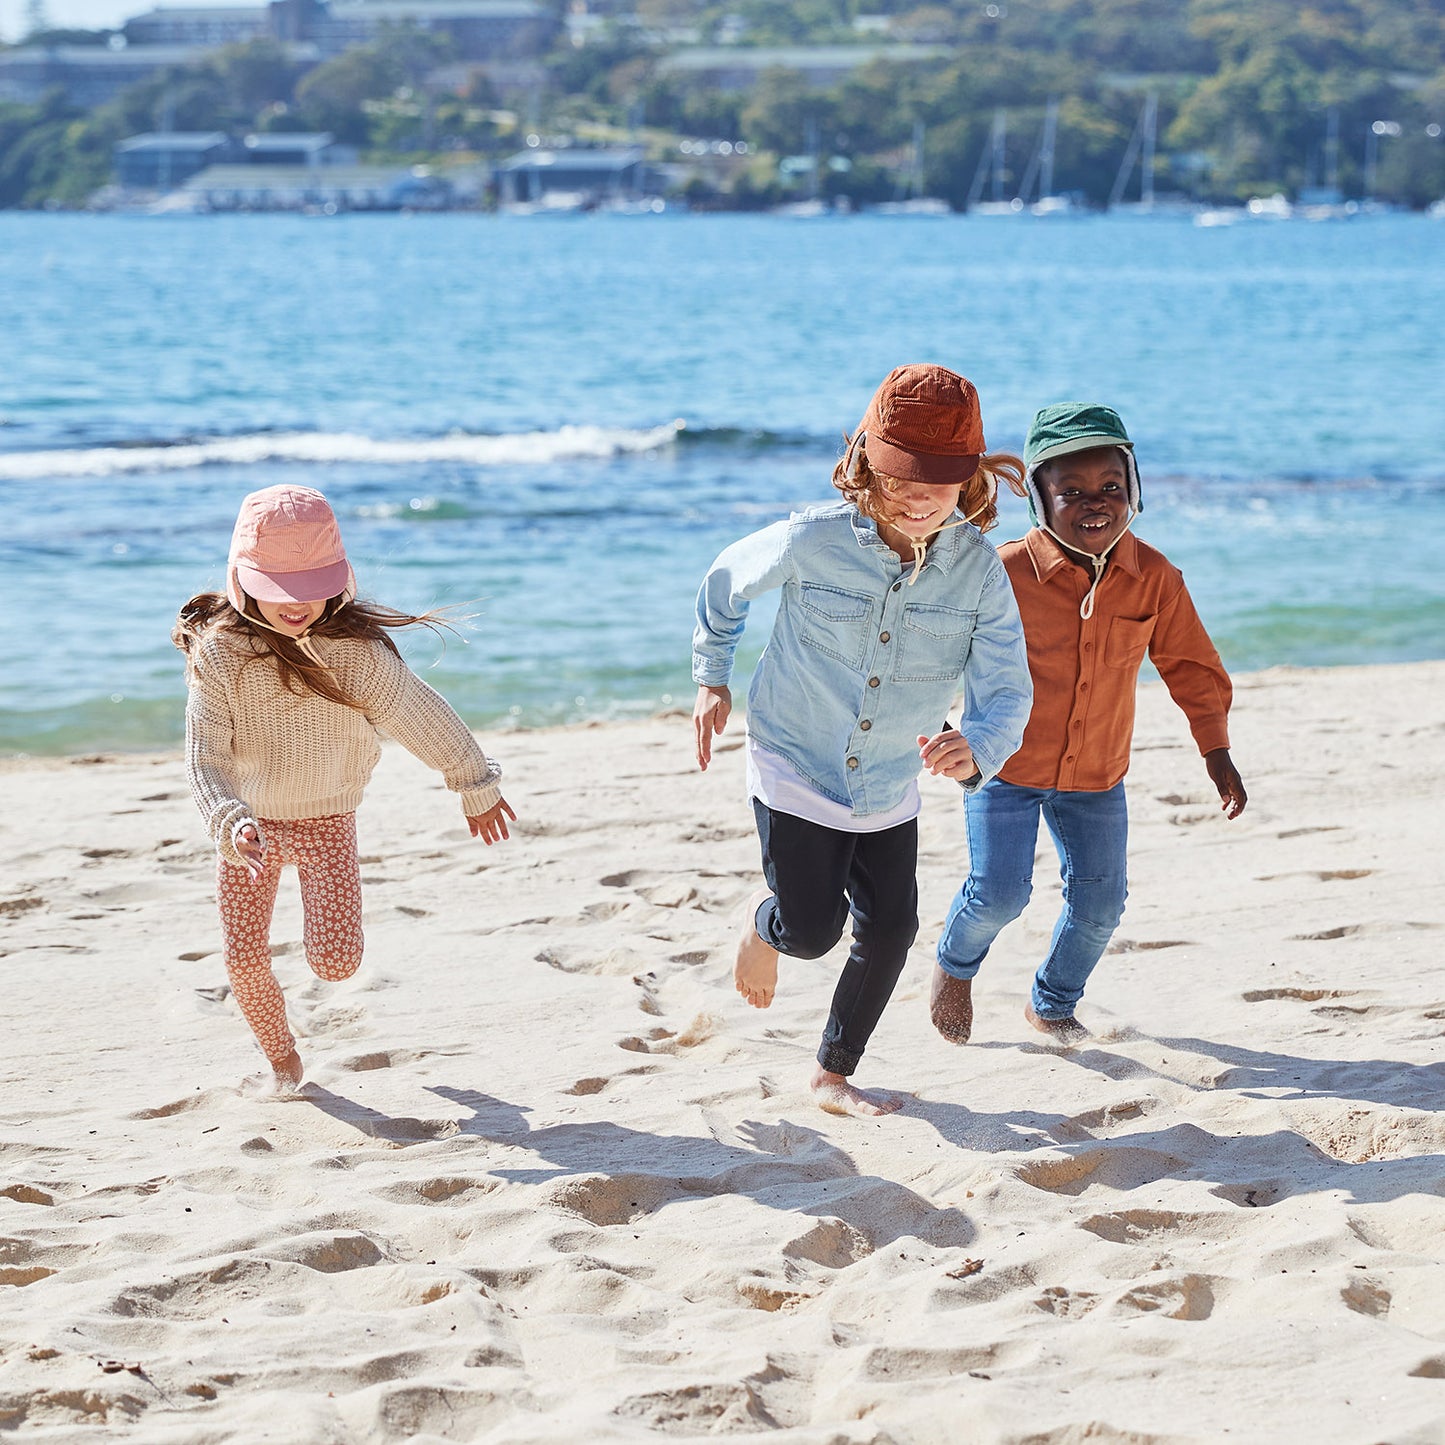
{"points": [[1098, 561], [920, 545]]}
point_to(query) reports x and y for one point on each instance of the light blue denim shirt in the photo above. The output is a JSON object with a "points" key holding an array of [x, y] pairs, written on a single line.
{"points": [[860, 663]]}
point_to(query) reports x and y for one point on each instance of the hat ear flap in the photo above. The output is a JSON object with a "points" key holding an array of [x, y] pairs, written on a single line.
{"points": [[853, 456], [1136, 495], [1034, 496]]}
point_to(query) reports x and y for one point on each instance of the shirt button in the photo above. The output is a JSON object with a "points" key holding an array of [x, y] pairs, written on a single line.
{"points": [[1077, 723], [866, 724], [895, 587], [853, 763], [1083, 687], [873, 681], [1088, 647], [884, 636], [1069, 758]]}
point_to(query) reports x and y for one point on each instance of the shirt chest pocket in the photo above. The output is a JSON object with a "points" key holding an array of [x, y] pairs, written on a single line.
{"points": [[1128, 641], [934, 643], [836, 622]]}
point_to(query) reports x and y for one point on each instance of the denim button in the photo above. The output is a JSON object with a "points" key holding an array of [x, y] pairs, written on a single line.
{"points": [[853, 763], [884, 636], [896, 586], [873, 681], [865, 724]]}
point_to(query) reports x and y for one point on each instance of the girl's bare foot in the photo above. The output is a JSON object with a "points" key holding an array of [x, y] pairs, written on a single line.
{"points": [[755, 970], [836, 1095], [1063, 1031], [288, 1071]]}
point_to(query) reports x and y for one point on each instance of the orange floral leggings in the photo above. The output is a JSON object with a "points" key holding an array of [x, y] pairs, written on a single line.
{"points": [[324, 853]]}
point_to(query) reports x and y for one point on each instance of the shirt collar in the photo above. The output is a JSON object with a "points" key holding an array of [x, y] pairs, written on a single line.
{"points": [[1048, 557], [943, 550]]}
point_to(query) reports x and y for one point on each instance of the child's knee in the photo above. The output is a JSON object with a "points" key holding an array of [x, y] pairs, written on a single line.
{"points": [[336, 962], [998, 900]]}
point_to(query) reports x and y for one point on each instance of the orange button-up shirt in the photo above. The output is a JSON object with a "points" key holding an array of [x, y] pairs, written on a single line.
{"points": [[1085, 671]]}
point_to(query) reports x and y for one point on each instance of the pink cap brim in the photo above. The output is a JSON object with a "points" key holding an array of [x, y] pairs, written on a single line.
{"points": [[316, 585], [927, 467]]}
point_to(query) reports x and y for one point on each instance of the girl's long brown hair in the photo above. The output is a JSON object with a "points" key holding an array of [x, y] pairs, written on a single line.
{"points": [[209, 612], [866, 489]]}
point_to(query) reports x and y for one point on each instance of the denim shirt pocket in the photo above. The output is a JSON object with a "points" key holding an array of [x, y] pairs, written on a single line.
{"points": [[835, 621], [935, 642]]}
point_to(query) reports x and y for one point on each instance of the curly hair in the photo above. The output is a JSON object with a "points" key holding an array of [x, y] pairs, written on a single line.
{"points": [[867, 489], [210, 612]]}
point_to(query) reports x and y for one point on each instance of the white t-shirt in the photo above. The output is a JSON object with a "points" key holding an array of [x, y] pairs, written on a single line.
{"points": [[773, 781]]}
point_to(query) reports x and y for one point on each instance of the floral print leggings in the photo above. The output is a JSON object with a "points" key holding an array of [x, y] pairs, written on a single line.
{"points": [[324, 853]]}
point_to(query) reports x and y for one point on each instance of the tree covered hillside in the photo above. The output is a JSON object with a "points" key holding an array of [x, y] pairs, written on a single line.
{"points": [[1252, 96]]}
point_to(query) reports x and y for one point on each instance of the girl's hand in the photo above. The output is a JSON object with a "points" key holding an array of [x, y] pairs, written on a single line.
{"points": [[252, 850], [1225, 777], [491, 826], [948, 753], [710, 715]]}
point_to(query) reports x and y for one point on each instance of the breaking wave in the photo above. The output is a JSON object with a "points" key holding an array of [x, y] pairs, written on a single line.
{"points": [[323, 448]]}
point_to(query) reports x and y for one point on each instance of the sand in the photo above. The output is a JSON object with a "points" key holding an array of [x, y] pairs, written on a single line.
{"points": [[550, 1180]]}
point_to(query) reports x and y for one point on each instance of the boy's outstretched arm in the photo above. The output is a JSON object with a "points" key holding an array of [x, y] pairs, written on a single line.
{"points": [[1225, 776], [710, 715]]}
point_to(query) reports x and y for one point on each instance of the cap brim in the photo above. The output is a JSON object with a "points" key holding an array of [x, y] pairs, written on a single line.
{"points": [[316, 585], [929, 468], [1078, 444]]}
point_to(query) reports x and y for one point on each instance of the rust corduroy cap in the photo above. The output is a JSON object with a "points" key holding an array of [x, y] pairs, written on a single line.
{"points": [[923, 425]]}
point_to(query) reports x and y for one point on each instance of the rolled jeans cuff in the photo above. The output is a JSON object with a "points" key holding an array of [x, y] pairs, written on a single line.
{"points": [[838, 1060]]}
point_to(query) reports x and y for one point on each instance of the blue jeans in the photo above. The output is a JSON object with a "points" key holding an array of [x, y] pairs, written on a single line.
{"points": [[1091, 833]]}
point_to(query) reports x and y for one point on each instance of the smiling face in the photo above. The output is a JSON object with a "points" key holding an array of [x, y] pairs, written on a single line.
{"points": [[1086, 497], [914, 509], [292, 618]]}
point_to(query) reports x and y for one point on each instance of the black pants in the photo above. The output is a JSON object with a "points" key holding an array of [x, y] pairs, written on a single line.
{"points": [[819, 876]]}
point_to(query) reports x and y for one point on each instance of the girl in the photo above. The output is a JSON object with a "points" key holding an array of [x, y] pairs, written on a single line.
{"points": [[890, 600], [290, 679]]}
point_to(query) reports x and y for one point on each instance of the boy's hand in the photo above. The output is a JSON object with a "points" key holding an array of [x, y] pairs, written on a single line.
{"points": [[491, 826], [1225, 776], [710, 715], [252, 848], [948, 753]]}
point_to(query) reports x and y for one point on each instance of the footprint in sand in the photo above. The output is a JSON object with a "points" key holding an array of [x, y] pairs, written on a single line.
{"points": [[1185, 1297], [26, 1194], [1130, 1226], [1144, 945], [597, 1082], [1259, 1195], [1066, 1303], [1301, 832], [1304, 995], [1114, 1167]]}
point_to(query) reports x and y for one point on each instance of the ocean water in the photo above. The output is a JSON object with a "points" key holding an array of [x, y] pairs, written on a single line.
{"points": [[553, 424]]}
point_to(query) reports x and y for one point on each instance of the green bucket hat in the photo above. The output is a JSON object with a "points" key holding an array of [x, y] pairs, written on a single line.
{"points": [[1071, 426]]}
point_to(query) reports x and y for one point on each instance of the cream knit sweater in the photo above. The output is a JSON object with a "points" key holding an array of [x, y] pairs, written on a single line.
{"points": [[256, 750]]}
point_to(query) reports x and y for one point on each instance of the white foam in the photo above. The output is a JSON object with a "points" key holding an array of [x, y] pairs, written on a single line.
{"points": [[322, 448]]}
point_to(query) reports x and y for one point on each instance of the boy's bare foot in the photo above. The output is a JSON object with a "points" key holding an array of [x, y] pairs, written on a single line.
{"points": [[288, 1071], [755, 971], [835, 1094], [1063, 1031], [950, 1004]]}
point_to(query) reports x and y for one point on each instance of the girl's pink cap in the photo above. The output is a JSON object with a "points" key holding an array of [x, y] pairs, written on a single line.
{"points": [[287, 548]]}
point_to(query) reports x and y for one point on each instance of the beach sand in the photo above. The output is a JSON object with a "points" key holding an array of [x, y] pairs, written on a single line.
{"points": [[551, 1180]]}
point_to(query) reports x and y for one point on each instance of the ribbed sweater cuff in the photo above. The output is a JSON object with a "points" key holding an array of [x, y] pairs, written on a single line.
{"points": [[476, 801]]}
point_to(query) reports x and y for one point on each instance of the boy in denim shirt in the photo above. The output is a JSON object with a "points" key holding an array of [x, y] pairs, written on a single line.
{"points": [[1094, 599], [890, 600]]}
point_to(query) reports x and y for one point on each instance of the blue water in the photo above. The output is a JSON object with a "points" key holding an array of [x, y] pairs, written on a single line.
{"points": [[558, 422]]}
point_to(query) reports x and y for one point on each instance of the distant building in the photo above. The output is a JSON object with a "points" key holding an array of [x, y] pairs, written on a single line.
{"points": [[324, 188], [289, 148], [209, 28], [736, 68], [479, 29], [161, 162], [594, 176], [88, 75]]}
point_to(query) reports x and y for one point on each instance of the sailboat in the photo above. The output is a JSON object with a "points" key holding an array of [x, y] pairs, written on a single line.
{"points": [[913, 202], [991, 164], [1041, 169], [1141, 150]]}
